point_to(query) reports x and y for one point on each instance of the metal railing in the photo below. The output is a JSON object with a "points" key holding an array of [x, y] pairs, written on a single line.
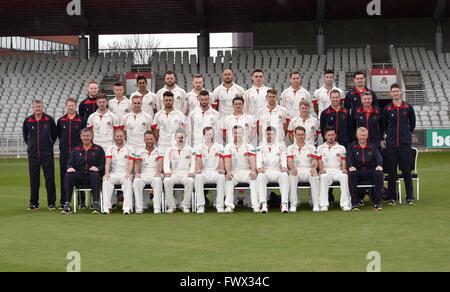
{"points": [[416, 97], [12, 145]]}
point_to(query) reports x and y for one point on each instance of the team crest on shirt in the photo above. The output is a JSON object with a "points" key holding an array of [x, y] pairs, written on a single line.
{"points": [[108, 124], [188, 156], [93, 154], [125, 156], [127, 110], [217, 155], [178, 97], [280, 117], [143, 124], [45, 126], [370, 153]]}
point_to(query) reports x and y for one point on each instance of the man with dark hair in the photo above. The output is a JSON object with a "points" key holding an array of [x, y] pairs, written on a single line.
{"points": [[179, 95], [364, 162], [321, 97], [353, 98], [255, 97], [332, 168], [200, 118], [120, 104], [148, 167], [148, 97], [209, 168], [247, 122], [89, 105], [399, 121], [68, 130], [39, 133], [336, 116], [103, 123], [85, 167], [167, 121]]}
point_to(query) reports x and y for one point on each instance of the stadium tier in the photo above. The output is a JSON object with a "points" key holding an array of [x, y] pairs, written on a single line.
{"points": [[54, 78], [51, 78]]}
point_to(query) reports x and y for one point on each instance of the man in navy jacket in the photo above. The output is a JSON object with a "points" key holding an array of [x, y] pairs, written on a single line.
{"points": [[399, 121], [353, 98], [39, 133], [68, 128], [369, 117], [365, 163], [85, 167]]}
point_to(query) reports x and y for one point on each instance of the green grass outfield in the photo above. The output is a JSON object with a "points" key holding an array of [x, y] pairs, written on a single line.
{"points": [[408, 238]]}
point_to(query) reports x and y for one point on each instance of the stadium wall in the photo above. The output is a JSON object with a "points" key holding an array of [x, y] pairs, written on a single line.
{"points": [[379, 33]]}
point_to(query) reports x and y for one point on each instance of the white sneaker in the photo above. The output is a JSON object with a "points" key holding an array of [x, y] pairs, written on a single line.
{"points": [[139, 211], [169, 210], [220, 210], [316, 209], [201, 210], [186, 210], [346, 209], [126, 212], [292, 209], [257, 210], [264, 209], [157, 211], [324, 209], [229, 210], [284, 208]]}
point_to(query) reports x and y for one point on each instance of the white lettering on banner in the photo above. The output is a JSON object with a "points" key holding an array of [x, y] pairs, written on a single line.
{"points": [[374, 8], [74, 8], [439, 141]]}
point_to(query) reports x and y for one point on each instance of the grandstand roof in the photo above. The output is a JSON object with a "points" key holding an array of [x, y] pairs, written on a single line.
{"points": [[33, 18]]}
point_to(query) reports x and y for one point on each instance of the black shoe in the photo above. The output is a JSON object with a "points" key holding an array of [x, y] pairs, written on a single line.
{"points": [[410, 202], [377, 208], [33, 207], [361, 203], [67, 209], [96, 208], [114, 206], [82, 206], [392, 203], [61, 207], [52, 207], [241, 202], [206, 200], [355, 208], [330, 199]]}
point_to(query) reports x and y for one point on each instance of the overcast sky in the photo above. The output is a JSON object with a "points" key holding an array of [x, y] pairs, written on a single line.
{"points": [[177, 40]]}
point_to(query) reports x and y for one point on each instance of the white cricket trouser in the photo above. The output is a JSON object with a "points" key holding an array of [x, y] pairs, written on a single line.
{"points": [[326, 179], [304, 176], [138, 187], [240, 176], [273, 176], [210, 177], [187, 182], [108, 190]]}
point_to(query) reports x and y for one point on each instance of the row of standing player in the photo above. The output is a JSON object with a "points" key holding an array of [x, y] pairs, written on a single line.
{"points": [[89, 105]]}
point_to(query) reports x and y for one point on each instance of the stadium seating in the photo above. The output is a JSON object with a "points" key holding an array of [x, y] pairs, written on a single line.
{"points": [[52, 79], [277, 64], [435, 73]]}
